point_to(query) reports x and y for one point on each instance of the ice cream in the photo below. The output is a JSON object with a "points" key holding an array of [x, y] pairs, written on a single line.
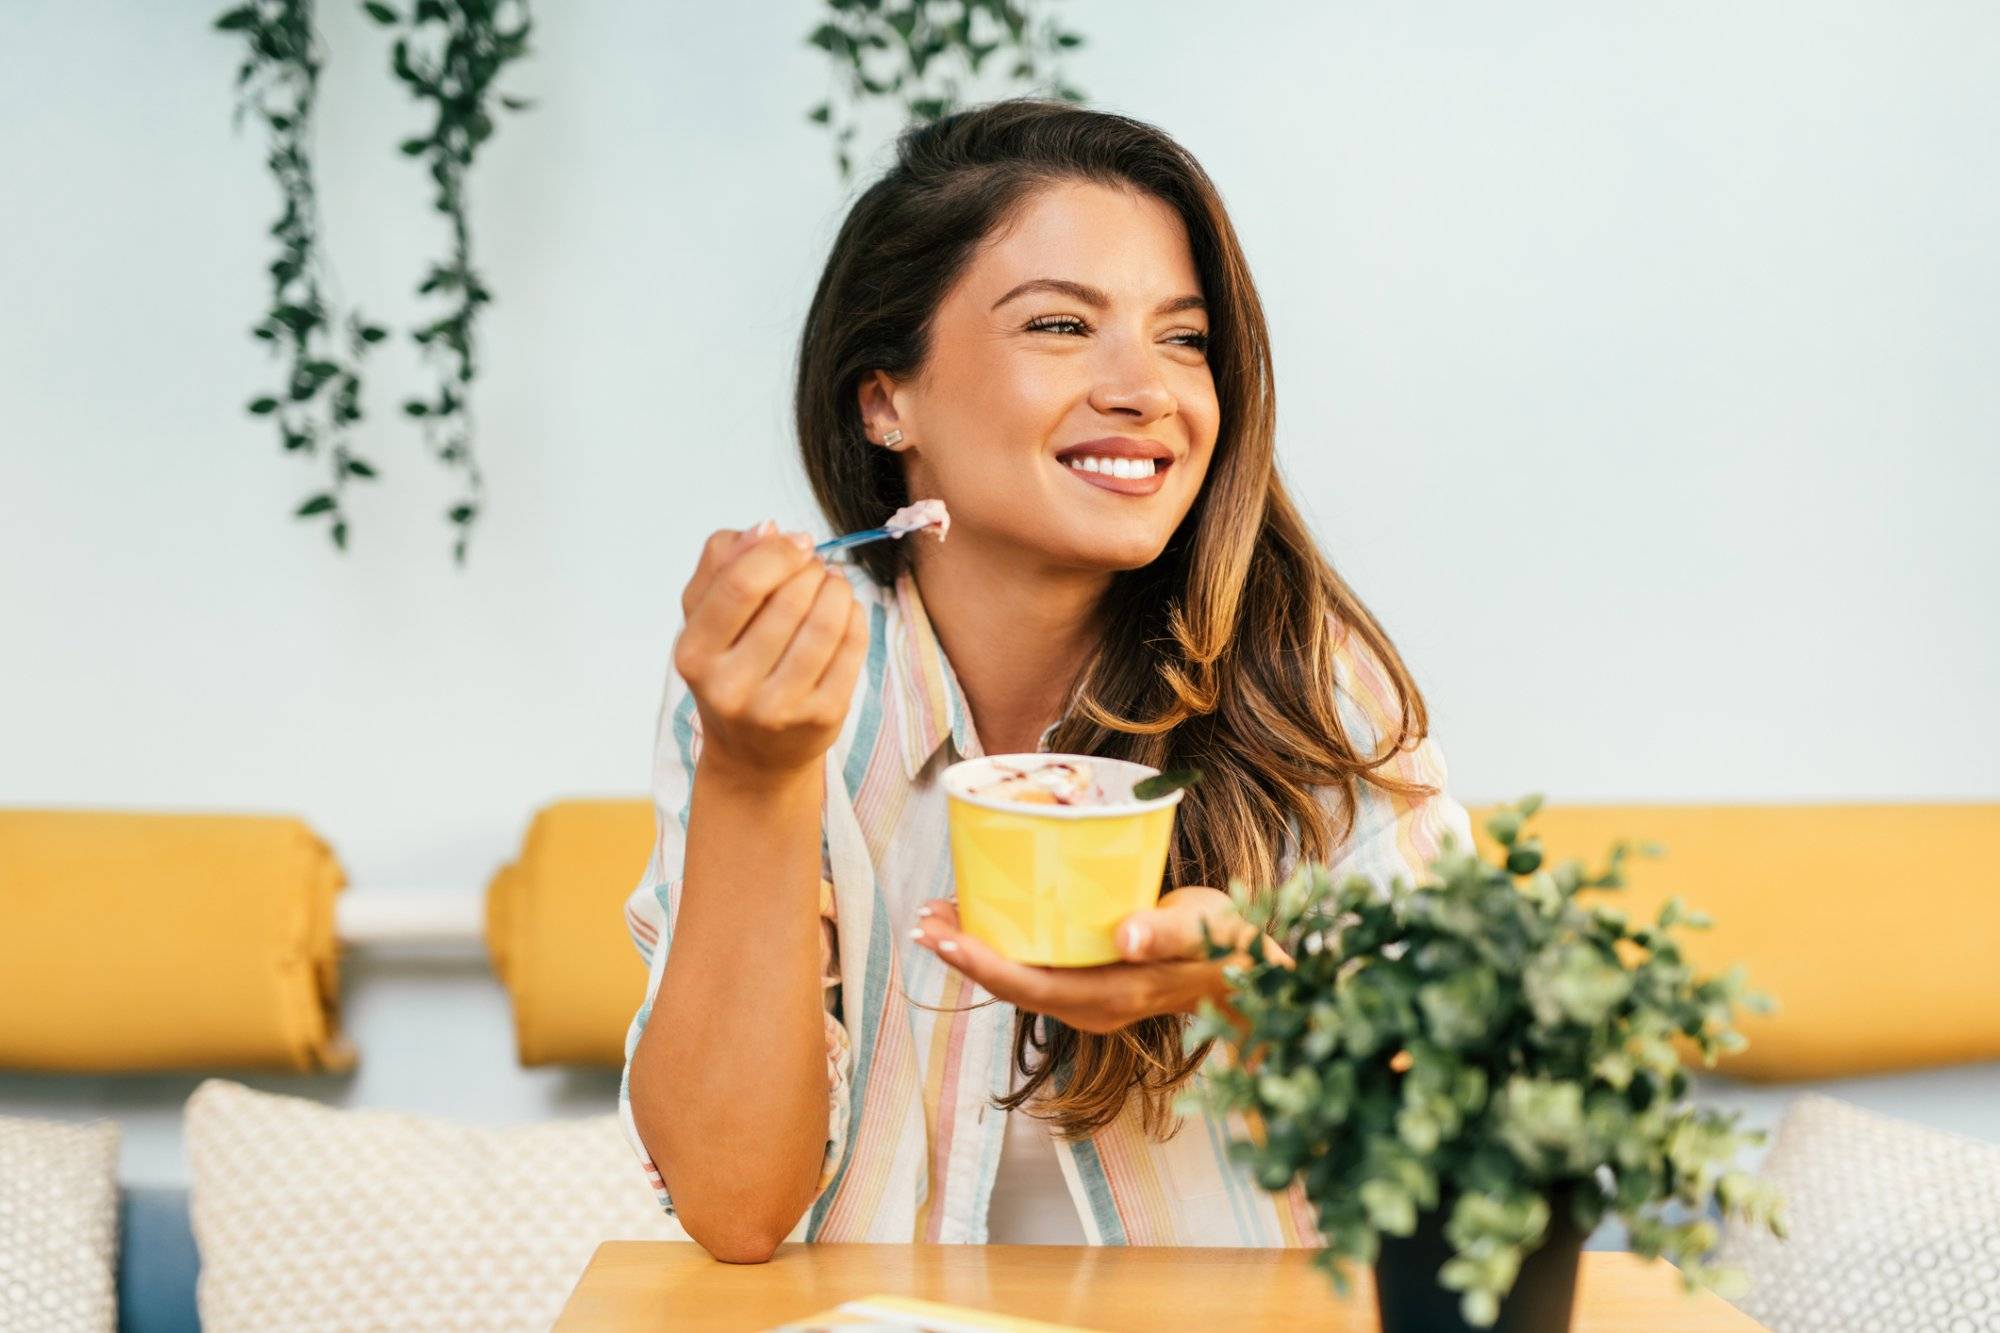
{"points": [[916, 517], [1059, 782]]}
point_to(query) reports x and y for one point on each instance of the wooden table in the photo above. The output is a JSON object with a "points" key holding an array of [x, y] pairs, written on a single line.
{"points": [[675, 1284]]}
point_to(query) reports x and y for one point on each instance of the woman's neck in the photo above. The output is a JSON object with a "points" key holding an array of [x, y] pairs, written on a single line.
{"points": [[1015, 636]]}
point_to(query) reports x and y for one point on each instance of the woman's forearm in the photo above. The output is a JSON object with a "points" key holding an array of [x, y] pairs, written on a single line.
{"points": [[728, 1081]]}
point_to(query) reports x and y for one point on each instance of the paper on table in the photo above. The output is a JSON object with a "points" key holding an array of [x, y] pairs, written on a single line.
{"points": [[905, 1314]]}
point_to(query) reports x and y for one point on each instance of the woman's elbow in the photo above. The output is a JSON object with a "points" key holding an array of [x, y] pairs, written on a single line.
{"points": [[740, 1247], [736, 1240]]}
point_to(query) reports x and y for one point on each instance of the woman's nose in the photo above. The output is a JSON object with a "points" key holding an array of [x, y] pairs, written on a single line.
{"points": [[1131, 381]]}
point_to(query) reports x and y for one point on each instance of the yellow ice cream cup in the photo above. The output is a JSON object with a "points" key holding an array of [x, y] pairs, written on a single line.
{"points": [[1049, 884]]}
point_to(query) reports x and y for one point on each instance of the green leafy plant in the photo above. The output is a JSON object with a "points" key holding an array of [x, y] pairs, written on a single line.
{"points": [[1491, 1035], [320, 399], [921, 51], [450, 54]]}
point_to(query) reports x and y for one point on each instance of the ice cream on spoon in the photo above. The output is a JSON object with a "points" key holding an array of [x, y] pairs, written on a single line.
{"points": [[915, 517]]}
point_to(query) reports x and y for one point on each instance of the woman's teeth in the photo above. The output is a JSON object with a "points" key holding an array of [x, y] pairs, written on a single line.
{"points": [[1112, 467]]}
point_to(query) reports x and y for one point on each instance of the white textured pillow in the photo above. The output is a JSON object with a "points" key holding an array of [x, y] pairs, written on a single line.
{"points": [[58, 1225], [1891, 1226], [314, 1217]]}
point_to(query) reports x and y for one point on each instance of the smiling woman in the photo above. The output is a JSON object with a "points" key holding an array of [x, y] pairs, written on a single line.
{"points": [[1024, 376], [1040, 316]]}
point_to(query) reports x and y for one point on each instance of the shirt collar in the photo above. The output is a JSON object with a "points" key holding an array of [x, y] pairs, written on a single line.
{"points": [[932, 706]]}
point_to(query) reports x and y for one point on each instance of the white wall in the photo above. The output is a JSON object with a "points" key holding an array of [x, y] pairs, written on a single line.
{"points": [[1672, 330]]}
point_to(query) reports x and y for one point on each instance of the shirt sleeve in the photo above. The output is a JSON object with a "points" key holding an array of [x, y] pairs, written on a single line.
{"points": [[652, 906], [1393, 835]]}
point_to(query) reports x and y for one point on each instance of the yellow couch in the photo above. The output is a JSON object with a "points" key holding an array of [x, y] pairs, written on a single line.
{"points": [[1876, 927]]}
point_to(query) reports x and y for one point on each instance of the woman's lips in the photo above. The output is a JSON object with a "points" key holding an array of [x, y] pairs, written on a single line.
{"points": [[1122, 485]]}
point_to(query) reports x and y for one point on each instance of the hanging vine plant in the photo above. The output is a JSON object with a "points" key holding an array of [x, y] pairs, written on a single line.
{"points": [[450, 54], [320, 401], [924, 51]]}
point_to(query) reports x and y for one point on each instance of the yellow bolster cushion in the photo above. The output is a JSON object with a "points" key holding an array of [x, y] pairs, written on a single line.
{"points": [[555, 929], [155, 941], [1876, 928]]}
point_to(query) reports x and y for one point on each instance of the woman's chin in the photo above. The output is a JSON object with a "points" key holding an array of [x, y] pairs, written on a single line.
{"points": [[1114, 551]]}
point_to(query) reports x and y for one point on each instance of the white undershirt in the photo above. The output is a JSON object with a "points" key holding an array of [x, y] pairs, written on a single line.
{"points": [[1030, 1204]]}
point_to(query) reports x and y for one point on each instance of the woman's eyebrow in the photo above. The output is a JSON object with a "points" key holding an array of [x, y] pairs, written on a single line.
{"points": [[1094, 298]]}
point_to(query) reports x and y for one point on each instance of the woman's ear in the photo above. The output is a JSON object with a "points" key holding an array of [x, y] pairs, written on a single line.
{"points": [[878, 412]]}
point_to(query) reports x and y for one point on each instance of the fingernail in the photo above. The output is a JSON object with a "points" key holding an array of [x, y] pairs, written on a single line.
{"points": [[765, 529], [1135, 938], [925, 910], [802, 540], [916, 932], [947, 946]]}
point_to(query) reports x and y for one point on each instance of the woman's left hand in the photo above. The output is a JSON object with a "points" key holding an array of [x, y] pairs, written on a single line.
{"points": [[1164, 969]]}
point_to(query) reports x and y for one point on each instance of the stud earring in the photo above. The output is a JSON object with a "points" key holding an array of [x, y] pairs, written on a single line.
{"points": [[892, 439]]}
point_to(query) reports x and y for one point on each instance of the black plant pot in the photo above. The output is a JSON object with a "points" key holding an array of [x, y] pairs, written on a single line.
{"points": [[1408, 1298]]}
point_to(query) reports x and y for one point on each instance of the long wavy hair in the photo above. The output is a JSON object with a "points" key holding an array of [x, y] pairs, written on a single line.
{"points": [[1219, 655]]}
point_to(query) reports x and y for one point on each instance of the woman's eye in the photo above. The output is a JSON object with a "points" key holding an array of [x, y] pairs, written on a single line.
{"points": [[1066, 323]]}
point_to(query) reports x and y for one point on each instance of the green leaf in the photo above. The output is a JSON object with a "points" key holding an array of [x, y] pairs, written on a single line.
{"points": [[517, 103], [373, 333], [359, 468], [236, 20], [414, 147], [1389, 1207], [340, 534], [416, 408], [1461, 1007], [462, 513], [1503, 827], [821, 113], [1147, 789], [263, 407], [381, 13], [319, 504], [1572, 982]]}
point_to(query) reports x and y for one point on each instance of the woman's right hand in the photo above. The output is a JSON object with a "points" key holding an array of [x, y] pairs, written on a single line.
{"points": [[771, 645]]}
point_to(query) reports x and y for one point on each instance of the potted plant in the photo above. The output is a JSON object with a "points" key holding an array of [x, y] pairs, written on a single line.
{"points": [[1468, 1074]]}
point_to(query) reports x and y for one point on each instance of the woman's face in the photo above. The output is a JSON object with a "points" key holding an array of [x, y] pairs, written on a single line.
{"points": [[1074, 424]]}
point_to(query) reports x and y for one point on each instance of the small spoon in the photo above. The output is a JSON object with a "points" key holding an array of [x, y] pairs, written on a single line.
{"points": [[910, 518], [861, 538]]}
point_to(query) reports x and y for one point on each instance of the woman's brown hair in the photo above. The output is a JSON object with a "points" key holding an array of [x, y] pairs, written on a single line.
{"points": [[1219, 655]]}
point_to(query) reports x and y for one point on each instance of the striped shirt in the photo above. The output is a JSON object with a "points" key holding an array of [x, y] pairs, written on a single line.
{"points": [[913, 1143]]}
